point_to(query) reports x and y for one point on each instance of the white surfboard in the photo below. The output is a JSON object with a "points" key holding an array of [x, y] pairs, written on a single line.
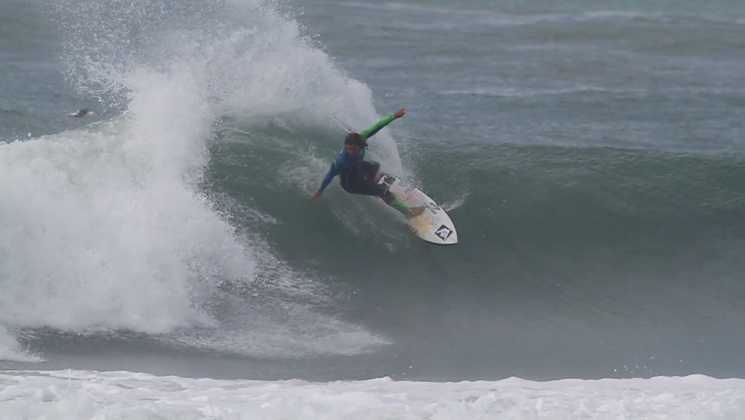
{"points": [[434, 225]]}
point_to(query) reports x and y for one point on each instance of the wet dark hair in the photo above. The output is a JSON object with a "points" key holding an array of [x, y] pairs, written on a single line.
{"points": [[355, 139]]}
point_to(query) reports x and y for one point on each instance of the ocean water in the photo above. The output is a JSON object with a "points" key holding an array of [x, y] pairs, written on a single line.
{"points": [[590, 154]]}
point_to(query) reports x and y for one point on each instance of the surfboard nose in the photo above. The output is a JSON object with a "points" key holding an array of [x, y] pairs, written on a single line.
{"points": [[434, 224]]}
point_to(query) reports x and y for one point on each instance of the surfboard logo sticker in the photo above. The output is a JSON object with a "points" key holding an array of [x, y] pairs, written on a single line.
{"points": [[443, 232]]}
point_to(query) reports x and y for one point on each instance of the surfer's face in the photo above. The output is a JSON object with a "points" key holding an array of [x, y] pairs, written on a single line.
{"points": [[352, 149]]}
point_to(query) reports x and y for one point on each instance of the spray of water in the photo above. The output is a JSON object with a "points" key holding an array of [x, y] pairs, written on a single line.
{"points": [[106, 229]]}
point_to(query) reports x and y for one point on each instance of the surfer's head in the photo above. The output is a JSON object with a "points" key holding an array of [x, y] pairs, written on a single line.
{"points": [[353, 143]]}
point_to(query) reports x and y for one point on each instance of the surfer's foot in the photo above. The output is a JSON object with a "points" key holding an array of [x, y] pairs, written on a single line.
{"points": [[414, 211]]}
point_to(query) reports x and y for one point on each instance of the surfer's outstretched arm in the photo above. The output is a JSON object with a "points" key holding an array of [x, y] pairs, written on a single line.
{"points": [[370, 131], [333, 171]]}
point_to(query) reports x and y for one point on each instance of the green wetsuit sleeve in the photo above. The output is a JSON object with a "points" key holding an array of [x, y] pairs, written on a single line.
{"points": [[370, 131], [399, 205]]}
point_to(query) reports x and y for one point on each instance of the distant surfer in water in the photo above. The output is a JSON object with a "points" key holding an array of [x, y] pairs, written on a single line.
{"points": [[81, 113], [359, 176]]}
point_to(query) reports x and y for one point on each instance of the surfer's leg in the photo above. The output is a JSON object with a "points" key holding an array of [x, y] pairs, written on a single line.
{"points": [[384, 192], [355, 182], [387, 196], [370, 176], [370, 170], [364, 180]]}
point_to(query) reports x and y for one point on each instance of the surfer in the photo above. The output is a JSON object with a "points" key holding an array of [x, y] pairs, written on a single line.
{"points": [[359, 176], [81, 113]]}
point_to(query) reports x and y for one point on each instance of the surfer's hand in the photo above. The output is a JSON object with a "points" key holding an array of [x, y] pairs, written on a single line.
{"points": [[316, 196], [399, 113]]}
